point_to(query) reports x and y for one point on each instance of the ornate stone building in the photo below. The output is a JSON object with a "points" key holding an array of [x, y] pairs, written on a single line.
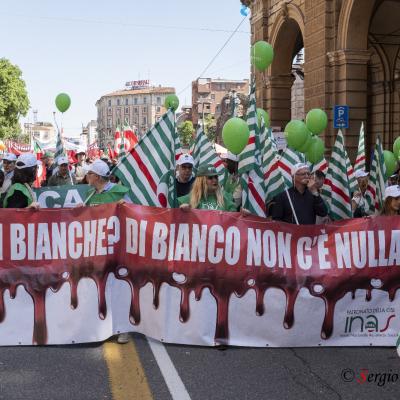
{"points": [[351, 57]]}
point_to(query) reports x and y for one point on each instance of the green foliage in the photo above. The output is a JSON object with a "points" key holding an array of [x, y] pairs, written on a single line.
{"points": [[210, 128], [185, 131], [14, 101]]}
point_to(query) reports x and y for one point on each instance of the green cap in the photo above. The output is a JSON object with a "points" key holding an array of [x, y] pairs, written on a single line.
{"points": [[49, 154], [206, 170]]}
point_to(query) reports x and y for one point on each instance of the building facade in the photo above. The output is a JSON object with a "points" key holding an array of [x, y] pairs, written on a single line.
{"points": [[42, 132], [139, 106], [208, 93], [89, 134], [351, 57]]}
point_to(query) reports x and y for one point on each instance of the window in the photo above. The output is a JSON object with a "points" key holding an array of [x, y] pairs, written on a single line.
{"points": [[135, 100], [135, 110], [212, 96], [144, 120], [158, 101], [158, 109], [144, 100], [145, 109], [118, 111], [118, 102], [109, 111], [126, 101], [109, 103], [109, 123], [126, 110], [135, 120]]}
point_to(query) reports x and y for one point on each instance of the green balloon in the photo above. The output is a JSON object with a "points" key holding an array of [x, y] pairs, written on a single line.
{"points": [[316, 120], [63, 102], [304, 148], [264, 114], [172, 101], [262, 55], [396, 147], [316, 151], [235, 135], [390, 162], [297, 134]]}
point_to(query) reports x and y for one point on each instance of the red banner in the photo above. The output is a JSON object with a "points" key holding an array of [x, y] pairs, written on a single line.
{"points": [[191, 251]]}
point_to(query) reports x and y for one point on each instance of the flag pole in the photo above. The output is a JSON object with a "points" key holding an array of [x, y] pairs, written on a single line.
{"points": [[291, 206]]}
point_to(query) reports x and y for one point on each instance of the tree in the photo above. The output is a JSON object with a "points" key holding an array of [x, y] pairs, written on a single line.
{"points": [[210, 127], [14, 101], [186, 131]]}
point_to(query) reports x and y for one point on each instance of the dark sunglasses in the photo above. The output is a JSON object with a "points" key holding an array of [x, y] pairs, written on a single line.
{"points": [[212, 177]]}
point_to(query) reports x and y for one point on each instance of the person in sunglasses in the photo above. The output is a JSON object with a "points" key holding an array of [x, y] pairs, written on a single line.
{"points": [[206, 192]]}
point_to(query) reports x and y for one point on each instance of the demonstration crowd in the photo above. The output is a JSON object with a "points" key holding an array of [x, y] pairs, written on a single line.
{"points": [[301, 204]]}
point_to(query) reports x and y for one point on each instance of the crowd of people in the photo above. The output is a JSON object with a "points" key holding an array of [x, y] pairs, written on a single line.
{"points": [[200, 189]]}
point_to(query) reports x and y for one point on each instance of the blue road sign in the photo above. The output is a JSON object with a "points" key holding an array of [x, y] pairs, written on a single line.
{"points": [[341, 117]]}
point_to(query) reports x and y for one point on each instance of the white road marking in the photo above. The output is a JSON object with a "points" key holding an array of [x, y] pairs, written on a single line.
{"points": [[172, 379]]}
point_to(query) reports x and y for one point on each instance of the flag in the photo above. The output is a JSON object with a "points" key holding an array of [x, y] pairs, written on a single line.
{"points": [[350, 173], [376, 184], [321, 166], [59, 146], [273, 179], [287, 160], [360, 159], [130, 138], [204, 154], [110, 152], [148, 164], [336, 190], [41, 172], [119, 142], [251, 163]]}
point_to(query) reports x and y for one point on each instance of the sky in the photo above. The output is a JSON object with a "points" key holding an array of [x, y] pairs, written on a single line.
{"points": [[88, 48]]}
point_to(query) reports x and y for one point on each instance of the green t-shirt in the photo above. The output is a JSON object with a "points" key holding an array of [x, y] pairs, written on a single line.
{"points": [[210, 203]]}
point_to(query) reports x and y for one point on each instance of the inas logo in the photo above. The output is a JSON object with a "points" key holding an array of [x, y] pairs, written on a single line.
{"points": [[369, 323]]}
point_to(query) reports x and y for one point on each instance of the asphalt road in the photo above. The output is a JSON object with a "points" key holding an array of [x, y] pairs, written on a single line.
{"points": [[111, 371]]}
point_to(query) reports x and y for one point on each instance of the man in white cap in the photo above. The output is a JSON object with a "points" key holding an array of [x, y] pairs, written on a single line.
{"points": [[302, 202], [358, 203], [63, 176], [9, 160], [103, 191], [184, 176], [80, 165]]}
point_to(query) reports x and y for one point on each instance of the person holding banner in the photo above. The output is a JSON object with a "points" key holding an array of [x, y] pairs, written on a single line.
{"points": [[20, 193], [103, 191], [184, 176], [206, 193], [391, 204], [63, 176], [302, 203], [9, 160]]}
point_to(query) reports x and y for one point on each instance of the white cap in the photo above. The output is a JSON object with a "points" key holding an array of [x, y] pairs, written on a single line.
{"points": [[62, 160], [10, 157], [360, 173], [26, 160], [185, 159], [98, 167], [298, 167], [231, 156], [392, 191]]}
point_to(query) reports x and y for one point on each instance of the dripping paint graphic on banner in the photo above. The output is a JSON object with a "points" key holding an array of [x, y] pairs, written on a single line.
{"points": [[196, 277]]}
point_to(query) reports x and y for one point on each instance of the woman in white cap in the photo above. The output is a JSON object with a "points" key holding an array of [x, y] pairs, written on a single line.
{"points": [[391, 204], [20, 193], [206, 193], [103, 191]]}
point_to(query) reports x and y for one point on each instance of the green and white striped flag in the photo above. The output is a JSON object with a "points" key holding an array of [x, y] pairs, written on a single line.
{"points": [[251, 163], [336, 190], [273, 179], [149, 169], [360, 159], [376, 185], [287, 160], [59, 146], [350, 174], [204, 154]]}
